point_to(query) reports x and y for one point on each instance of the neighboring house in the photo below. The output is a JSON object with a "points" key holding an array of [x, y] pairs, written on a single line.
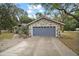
{"points": [[45, 27]]}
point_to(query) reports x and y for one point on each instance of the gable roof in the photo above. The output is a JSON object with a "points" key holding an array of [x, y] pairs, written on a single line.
{"points": [[46, 18]]}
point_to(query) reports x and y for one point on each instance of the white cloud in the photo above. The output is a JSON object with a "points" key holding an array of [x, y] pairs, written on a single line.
{"points": [[29, 11], [30, 16], [33, 7], [39, 6], [30, 7], [40, 10], [32, 10], [36, 7], [34, 16]]}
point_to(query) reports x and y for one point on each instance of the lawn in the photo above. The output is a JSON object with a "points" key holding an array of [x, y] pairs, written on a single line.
{"points": [[6, 35], [71, 39]]}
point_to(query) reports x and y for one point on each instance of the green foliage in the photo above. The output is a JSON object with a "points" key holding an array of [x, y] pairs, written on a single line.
{"points": [[65, 12], [7, 16], [70, 24], [77, 13], [21, 30], [8, 12], [25, 30], [56, 5], [16, 29], [25, 19], [38, 15]]}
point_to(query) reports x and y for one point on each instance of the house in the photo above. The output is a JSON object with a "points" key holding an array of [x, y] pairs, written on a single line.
{"points": [[45, 27]]}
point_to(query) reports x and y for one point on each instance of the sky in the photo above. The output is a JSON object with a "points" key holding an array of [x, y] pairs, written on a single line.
{"points": [[31, 9]]}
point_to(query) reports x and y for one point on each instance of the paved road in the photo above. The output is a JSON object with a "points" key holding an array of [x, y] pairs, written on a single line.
{"points": [[39, 46]]}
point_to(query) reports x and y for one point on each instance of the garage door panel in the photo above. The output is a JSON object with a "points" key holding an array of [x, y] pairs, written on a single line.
{"points": [[44, 31]]}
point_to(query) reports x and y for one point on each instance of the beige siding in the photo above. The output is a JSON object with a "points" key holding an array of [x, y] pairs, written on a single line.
{"points": [[44, 22]]}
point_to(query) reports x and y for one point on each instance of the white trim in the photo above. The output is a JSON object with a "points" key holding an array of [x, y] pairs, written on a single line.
{"points": [[56, 31], [32, 32]]}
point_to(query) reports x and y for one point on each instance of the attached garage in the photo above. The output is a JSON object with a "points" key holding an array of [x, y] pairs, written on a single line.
{"points": [[45, 27]]}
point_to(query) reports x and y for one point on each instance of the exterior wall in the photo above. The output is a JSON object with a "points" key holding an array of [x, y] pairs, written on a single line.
{"points": [[44, 22]]}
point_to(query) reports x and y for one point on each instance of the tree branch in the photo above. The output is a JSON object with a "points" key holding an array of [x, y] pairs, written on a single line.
{"points": [[77, 18]]}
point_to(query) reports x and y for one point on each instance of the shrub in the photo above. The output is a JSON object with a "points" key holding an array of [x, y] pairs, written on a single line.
{"points": [[25, 30]]}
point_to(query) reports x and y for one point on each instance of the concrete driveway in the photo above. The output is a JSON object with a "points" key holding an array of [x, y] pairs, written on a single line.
{"points": [[39, 46]]}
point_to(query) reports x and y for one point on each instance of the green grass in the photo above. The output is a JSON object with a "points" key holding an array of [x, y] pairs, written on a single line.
{"points": [[71, 39], [6, 35]]}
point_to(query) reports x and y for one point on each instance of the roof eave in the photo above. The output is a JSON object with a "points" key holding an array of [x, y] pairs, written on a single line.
{"points": [[45, 18]]}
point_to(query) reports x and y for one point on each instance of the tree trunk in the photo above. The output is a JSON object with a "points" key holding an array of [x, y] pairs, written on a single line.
{"points": [[0, 32]]}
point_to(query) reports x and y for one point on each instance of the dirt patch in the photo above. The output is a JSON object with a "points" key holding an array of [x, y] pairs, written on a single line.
{"points": [[71, 39]]}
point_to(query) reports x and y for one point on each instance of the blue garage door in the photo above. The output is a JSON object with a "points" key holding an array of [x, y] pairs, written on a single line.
{"points": [[44, 31]]}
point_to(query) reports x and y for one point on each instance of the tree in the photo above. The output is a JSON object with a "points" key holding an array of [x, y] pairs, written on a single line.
{"points": [[69, 9], [70, 23], [38, 15], [25, 19], [7, 16], [8, 13], [66, 12]]}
